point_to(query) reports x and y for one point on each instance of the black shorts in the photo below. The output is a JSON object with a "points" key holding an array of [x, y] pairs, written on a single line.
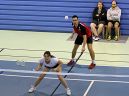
{"points": [[98, 22], [52, 67], [79, 40], [113, 22]]}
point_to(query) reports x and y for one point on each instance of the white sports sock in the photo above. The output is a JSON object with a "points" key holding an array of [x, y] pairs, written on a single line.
{"points": [[93, 61], [73, 59]]}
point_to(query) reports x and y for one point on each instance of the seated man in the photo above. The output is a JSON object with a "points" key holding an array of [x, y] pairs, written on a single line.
{"points": [[113, 17], [99, 20]]}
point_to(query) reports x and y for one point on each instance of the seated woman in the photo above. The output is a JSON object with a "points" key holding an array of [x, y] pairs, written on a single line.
{"points": [[113, 17], [50, 63], [99, 20]]}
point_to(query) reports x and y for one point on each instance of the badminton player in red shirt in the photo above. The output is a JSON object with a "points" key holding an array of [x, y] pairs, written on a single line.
{"points": [[84, 36]]}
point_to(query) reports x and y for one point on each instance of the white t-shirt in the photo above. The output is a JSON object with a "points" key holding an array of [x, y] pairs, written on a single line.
{"points": [[114, 14], [53, 62]]}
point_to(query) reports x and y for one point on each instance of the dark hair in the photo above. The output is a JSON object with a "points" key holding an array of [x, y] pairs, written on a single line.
{"points": [[48, 53], [101, 3], [103, 7], [115, 1], [75, 16]]}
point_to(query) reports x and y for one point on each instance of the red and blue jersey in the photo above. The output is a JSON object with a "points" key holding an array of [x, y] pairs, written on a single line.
{"points": [[82, 29]]}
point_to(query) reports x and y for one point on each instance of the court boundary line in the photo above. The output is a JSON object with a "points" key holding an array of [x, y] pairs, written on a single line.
{"points": [[89, 87], [61, 58], [59, 51], [1, 49], [64, 73], [0, 52], [53, 78]]}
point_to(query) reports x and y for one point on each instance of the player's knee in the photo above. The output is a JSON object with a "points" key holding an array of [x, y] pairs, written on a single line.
{"points": [[59, 77], [116, 26], [101, 25], [92, 25], [109, 26], [40, 77]]}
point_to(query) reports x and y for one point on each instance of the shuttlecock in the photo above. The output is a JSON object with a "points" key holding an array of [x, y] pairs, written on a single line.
{"points": [[66, 17]]}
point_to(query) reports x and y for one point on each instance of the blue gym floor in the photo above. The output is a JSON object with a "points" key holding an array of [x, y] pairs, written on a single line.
{"points": [[110, 81]]}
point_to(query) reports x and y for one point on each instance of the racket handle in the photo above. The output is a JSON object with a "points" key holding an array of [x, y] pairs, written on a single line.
{"points": [[79, 56]]}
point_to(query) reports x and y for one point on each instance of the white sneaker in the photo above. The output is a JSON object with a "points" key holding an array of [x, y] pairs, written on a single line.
{"points": [[97, 38], [68, 92], [93, 37], [32, 89]]}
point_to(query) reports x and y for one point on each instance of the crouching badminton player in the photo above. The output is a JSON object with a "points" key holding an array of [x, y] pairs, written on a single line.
{"points": [[50, 63]]}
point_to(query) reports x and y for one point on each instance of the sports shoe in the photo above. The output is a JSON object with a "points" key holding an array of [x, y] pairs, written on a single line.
{"points": [[97, 38], [32, 89], [71, 62], [68, 92], [109, 38], [91, 66], [116, 38], [93, 37]]}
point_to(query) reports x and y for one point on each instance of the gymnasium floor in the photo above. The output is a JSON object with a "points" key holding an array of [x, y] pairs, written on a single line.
{"points": [[109, 78]]}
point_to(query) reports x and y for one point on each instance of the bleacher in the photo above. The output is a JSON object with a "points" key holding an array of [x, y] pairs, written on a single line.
{"points": [[48, 15]]}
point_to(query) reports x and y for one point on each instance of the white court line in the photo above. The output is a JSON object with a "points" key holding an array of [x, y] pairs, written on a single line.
{"points": [[82, 80], [88, 89], [72, 74]]}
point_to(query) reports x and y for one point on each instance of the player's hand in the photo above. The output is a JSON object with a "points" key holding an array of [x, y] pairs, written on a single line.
{"points": [[97, 15], [55, 69], [71, 36], [83, 49], [36, 69]]}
